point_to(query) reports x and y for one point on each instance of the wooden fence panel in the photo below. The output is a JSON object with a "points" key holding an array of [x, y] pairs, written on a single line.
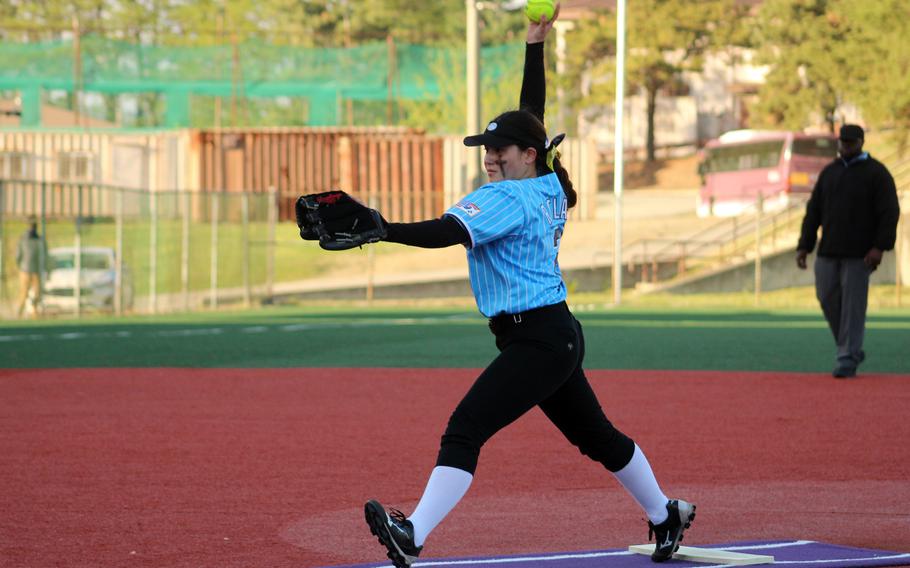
{"points": [[410, 176], [372, 189], [400, 194], [407, 180], [385, 177], [427, 162], [398, 171]]}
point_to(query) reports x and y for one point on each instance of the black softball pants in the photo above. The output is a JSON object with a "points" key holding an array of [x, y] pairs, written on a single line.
{"points": [[539, 364]]}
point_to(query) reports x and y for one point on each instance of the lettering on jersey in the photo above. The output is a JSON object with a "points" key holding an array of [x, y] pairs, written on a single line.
{"points": [[470, 208], [554, 209]]}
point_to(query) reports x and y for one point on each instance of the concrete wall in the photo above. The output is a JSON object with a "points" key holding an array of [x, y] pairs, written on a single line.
{"points": [[778, 271], [588, 279]]}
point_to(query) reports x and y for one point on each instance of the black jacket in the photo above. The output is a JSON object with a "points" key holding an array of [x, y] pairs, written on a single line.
{"points": [[857, 208]]}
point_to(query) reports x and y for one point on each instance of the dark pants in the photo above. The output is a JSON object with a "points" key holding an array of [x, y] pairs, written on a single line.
{"points": [[842, 289], [539, 364]]}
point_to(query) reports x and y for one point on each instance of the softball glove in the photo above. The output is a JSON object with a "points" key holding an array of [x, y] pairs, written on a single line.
{"points": [[338, 221]]}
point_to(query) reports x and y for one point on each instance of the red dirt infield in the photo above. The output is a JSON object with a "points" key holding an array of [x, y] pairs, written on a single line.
{"points": [[270, 467]]}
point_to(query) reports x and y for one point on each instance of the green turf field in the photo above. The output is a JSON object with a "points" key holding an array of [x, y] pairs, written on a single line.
{"points": [[624, 338]]}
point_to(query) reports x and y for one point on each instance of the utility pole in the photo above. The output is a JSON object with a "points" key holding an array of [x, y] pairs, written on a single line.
{"points": [[618, 149], [77, 70], [235, 76], [390, 80], [472, 125], [219, 63], [561, 28]]}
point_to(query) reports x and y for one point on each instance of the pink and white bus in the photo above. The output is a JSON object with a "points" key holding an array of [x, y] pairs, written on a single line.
{"points": [[780, 166]]}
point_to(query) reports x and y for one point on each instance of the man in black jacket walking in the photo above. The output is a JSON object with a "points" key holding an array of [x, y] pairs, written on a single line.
{"points": [[855, 203]]}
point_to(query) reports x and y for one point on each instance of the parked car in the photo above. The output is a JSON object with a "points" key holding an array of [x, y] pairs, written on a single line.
{"points": [[97, 279]]}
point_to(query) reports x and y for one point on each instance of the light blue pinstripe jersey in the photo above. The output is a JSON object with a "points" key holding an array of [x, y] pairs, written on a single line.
{"points": [[516, 227]]}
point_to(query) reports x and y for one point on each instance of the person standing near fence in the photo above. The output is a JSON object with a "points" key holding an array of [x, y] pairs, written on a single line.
{"points": [[512, 228], [855, 204], [31, 258]]}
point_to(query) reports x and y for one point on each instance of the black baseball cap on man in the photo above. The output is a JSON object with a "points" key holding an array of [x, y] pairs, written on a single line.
{"points": [[851, 132], [507, 129]]}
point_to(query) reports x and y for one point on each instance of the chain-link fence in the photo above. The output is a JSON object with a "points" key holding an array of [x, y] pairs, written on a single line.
{"points": [[125, 250]]}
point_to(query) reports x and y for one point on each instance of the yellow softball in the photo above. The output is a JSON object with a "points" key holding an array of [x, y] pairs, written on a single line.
{"points": [[538, 8]]}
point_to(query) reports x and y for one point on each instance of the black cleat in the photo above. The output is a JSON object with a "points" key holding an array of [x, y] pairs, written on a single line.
{"points": [[848, 370], [843, 372], [669, 533], [393, 531]]}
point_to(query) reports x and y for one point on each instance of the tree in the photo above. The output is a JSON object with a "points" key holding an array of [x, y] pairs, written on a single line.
{"points": [[808, 47], [878, 74], [664, 39], [824, 54], [446, 114], [229, 31]]}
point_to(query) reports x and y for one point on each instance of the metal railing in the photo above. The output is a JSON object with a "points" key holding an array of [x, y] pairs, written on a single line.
{"points": [[728, 240], [753, 236], [901, 173]]}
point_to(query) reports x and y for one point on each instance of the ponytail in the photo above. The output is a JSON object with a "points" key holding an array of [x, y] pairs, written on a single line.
{"points": [[533, 134], [555, 166], [565, 182]]}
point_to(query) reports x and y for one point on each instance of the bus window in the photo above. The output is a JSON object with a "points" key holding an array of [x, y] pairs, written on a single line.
{"points": [[780, 166], [744, 157], [820, 147]]}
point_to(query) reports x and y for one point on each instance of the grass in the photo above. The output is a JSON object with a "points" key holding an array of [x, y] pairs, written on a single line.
{"points": [[385, 335], [294, 259], [881, 298]]}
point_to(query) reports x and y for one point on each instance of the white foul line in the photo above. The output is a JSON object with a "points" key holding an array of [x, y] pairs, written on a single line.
{"points": [[626, 553]]}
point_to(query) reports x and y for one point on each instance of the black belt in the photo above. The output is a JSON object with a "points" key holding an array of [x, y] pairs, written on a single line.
{"points": [[505, 321]]}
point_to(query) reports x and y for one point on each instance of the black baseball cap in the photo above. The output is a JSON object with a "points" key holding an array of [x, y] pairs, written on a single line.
{"points": [[851, 132], [507, 129]]}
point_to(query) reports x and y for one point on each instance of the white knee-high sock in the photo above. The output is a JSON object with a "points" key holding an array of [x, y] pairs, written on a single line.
{"points": [[639, 481], [445, 488]]}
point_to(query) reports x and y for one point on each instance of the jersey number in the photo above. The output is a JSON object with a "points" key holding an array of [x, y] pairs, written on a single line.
{"points": [[557, 235]]}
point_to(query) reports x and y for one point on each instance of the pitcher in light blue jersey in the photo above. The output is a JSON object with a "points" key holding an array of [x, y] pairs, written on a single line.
{"points": [[512, 228], [515, 225]]}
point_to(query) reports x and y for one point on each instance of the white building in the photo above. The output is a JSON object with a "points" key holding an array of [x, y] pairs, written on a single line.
{"points": [[717, 101]]}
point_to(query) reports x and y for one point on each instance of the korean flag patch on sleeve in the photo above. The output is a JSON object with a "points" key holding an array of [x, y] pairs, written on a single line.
{"points": [[468, 207]]}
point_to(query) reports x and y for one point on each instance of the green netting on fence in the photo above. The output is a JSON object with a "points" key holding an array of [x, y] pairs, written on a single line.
{"points": [[324, 76]]}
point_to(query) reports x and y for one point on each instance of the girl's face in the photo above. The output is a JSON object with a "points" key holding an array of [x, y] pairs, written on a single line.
{"points": [[510, 162]]}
